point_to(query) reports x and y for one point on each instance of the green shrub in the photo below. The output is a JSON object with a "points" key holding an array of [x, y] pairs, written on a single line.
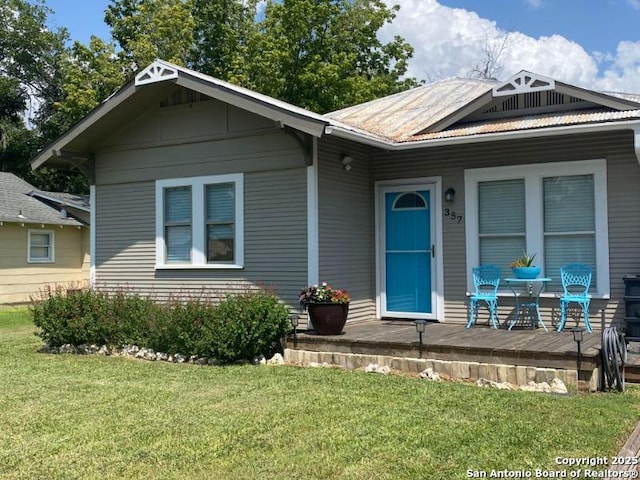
{"points": [[92, 316], [248, 325], [241, 327]]}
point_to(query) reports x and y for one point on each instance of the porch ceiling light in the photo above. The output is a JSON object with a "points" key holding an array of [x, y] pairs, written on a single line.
{"points": [[346, 162]]}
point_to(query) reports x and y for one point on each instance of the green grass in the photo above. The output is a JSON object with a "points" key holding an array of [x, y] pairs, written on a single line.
{"points": [[66, 416]]}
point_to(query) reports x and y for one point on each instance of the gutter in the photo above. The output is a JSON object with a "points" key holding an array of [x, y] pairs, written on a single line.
{"points": [[342, 132]]}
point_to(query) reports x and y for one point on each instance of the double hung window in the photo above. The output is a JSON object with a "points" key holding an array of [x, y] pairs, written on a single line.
{"points": [[40, 246], [557, 211], [199, 222]]}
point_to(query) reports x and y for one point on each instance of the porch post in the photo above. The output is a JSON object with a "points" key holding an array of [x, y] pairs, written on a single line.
{"points": [[313, 261]]}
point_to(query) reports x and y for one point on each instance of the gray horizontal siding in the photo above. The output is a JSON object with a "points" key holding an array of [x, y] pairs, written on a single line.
{"points": [[273, 151], [275, 240], [346, 225], [623, 178]]}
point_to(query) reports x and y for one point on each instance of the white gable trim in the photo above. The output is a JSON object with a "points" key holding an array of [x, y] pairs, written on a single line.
{"points": [[524, 82], [156, 72]]}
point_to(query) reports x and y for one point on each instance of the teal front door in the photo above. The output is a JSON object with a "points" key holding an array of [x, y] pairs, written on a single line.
{"points": [[408, 249]]}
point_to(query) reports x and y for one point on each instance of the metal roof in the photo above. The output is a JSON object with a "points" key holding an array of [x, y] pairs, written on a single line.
{"points": [[397, 116], [410, 115], [530, 122], [18, 206]]}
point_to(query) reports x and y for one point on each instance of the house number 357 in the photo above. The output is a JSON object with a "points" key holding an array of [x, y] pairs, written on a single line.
{"points": [[453, 217]]}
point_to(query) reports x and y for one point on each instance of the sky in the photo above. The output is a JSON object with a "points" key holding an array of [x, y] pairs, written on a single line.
{"points": [[590, 43]]}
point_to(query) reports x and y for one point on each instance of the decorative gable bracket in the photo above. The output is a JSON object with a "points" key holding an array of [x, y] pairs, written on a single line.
{"points": [[524, 82], [156, 72]]}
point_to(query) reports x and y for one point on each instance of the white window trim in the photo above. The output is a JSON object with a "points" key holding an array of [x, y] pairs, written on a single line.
{"points": [[198, 247], [533, 175], [52, 247]]}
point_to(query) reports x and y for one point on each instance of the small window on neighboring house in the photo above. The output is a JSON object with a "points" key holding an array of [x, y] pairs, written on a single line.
{"points": [[40, 246], [199, 222]]}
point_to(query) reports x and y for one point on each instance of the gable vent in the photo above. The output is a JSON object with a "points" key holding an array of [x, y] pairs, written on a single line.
{"points": [[183, 97], [555, 98], [575, 100], [532, 99], [510, 103]]}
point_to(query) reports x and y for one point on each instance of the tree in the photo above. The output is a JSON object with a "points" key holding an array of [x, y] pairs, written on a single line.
{"points": [[92, 74], [221, 35], [324, 54], [149, 29], [31, 85], [493, 51]]}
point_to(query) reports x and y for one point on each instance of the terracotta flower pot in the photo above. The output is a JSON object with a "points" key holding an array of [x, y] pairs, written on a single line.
{"points": [[328, 318]]}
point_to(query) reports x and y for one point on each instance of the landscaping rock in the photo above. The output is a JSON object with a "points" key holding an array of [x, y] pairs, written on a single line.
{"points": [[130, 350], [483, 382], [375, 368], [103, 350], [177, 358], [558, 386], [202, 361], [67, 348], [318, 365], [46, 348], [536, 387], [277, 359], [429, 374], [259, 360], [161, 357]]}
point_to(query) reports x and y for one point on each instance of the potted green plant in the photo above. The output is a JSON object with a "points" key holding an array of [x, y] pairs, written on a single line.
{"points": [[523, 267], [328, 308]]}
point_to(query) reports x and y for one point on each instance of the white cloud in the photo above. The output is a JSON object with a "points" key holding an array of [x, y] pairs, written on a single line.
{"points": [[538, 3], [634, 4], [451, 42]]}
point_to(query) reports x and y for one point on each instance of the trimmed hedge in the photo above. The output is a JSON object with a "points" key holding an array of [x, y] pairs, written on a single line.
{"points": [[240, 327]]}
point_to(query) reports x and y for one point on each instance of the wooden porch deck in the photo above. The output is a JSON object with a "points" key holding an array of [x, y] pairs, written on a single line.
{"points": [[456, 343]]}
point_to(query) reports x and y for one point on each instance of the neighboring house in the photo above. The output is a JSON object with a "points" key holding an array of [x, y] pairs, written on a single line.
{"points": [[199, 183], [44, 239]]}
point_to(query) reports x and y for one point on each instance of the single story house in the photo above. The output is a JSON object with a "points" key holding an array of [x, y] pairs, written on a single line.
{"points": [[44, 240], [198, 183]]}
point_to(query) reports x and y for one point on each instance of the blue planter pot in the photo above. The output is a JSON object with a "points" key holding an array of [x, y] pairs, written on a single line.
{"points": [[526, 273]]}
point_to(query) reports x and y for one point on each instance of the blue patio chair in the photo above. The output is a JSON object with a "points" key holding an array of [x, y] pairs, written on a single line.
{"points": [[576, 280], [486, 279]]}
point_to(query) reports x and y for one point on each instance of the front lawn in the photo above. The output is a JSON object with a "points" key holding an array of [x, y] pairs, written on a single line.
{"points": [[67, 416]]}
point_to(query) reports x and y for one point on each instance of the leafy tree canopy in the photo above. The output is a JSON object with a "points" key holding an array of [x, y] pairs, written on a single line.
{"points": [[322, 55]]}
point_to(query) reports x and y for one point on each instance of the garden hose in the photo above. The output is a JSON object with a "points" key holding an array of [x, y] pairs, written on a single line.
{"points": [[614, 356]]}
